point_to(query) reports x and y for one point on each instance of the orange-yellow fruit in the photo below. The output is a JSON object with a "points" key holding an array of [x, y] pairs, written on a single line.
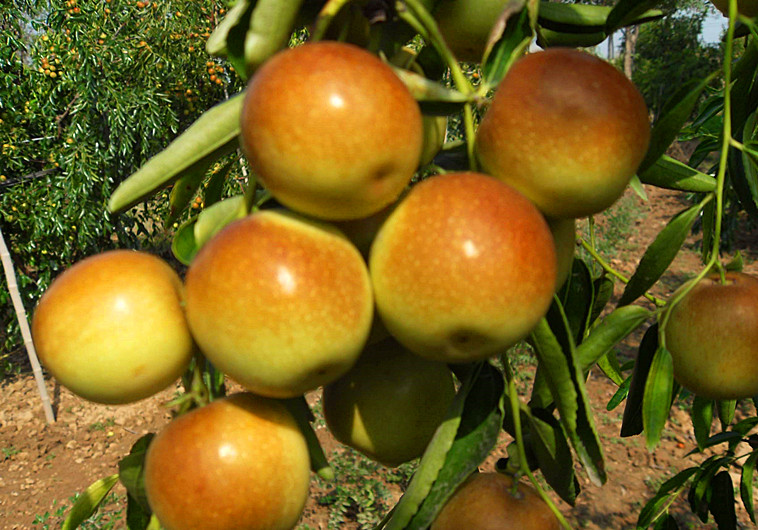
{"points": [[389, 404], [712, 335], [567, 129], [463, 268], [331, 131], [489, 501], [112, 329], [279, 303], [240, 462]]}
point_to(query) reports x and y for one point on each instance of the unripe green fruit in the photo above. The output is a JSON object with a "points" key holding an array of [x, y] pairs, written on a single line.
{"points": [[566, 129], [280, 303], [112, 329], [466, 25], [240, 462], [712, 335], [489, 501], [389, 404]]}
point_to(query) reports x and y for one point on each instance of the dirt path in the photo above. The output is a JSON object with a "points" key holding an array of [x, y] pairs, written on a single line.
{"points": [[43, 466]]}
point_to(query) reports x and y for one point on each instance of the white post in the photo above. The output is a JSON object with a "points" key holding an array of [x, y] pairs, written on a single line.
{"points": [[10, 278]]}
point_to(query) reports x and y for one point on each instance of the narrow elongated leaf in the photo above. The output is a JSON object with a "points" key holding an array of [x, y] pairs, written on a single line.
{"points": [[609, 364], [481, 423], [700, 493], [726, 408], [666, 494], [743, 173], [657, 399], [671, 174], [722, 501], [627, 12], [213, 219], [89, 500], [215, 189], [660, 254], [675, 115], [612, 329], [213, 135], [184, 189], [631, 424], [553, 454], [432, 96], [566, 382], [707, 227], [577, 296], [702, 419], [434, 457], [238, 15], [746, 485], [137, 516], [131, 472], [667, 522], [515, 34], [547, 38], [603, 288], [620, 394], [183, 246]]}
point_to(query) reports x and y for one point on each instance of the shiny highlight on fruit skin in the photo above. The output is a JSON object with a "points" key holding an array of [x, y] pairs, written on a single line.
{"points": [[111, 328], [389, 405], [331, 131], [463, 268], [240, 462], [712, 335], [567, 129], [489, 501], [280, 303]]}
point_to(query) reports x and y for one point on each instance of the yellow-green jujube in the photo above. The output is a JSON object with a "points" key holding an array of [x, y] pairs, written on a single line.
{"points": [[112, 329], [280, 303], [712, 335], [240, 462], [389, 404], [566, 129]]}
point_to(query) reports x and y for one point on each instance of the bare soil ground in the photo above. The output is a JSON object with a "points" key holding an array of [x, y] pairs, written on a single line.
{"points": [[42, 466]]}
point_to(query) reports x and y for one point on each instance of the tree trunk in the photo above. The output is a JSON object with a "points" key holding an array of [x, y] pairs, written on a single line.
{"points": [[630, 43]]}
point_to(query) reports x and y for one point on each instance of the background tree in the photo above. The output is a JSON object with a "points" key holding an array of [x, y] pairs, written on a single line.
{"points": [[88, 92]]}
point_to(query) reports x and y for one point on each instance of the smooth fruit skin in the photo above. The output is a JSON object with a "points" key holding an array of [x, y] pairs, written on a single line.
{"points": [[112, 329], [279, 303], [712, 335], [466, 25], [240, 462], [389, 404], [748, 8], [487, 501], [566, 129], [331, 131], [463, 268]]}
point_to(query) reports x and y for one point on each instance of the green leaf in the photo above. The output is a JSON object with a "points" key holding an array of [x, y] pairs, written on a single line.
{"points": [[675, 115], [212, 136], [131, 472], [237, 16], [184, 189], [577, 297], [553, 454], [656, 401], [183, 246], [603, 288], [609, 364], [481, 423], [573, 18], [137, 516], [722, 501], [660, 254], [746, 485], [736, 263], [666, 495], [700, 493], [547, 38], [433, 98], [89, 500], [435, 456], [612, 329], [708, 228], [671, 174], [626, 12], [512, 43], [743, 169], [213, 219], [726, 408], [215, 189], [303, 415], [666, 522], [566, 382], [631, 424], [702, 419]]}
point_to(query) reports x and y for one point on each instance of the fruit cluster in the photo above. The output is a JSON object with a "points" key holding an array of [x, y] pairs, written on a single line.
{"points": [[358, 281]]}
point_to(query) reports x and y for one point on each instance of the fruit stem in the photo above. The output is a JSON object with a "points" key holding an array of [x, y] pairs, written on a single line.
{"points": [[303, 415], [613, 272], [515, 405], [252, 185]]}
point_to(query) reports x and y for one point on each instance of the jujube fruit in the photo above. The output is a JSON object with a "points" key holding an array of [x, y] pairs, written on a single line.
{"points": [[112, 329], [240, 462], [463, 268], [712, 335], [280, 303], [331, 131], [566, 129]]}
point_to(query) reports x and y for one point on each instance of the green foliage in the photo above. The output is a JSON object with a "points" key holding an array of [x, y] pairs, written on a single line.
{"points": [[89, 92]]}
